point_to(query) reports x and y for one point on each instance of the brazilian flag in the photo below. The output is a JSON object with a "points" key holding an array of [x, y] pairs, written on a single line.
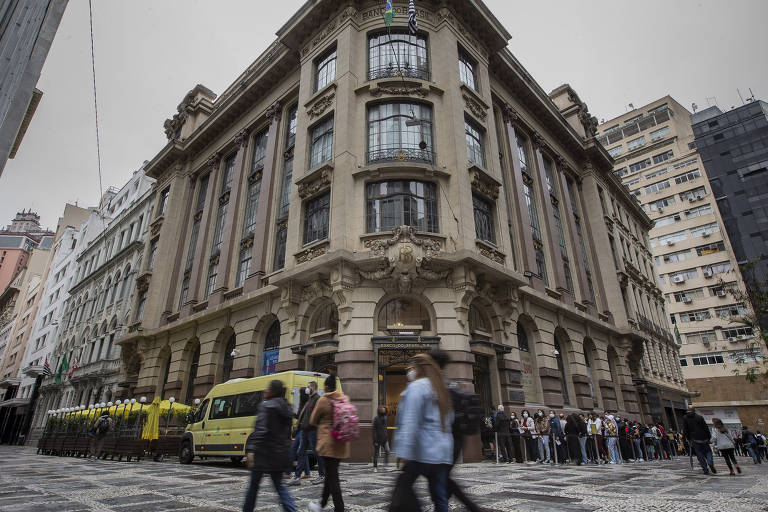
{"points": [[389, 13], [63, 367]]}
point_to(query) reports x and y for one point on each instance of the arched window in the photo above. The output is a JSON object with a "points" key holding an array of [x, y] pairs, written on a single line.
{"points": [[115, 286], [124, 287], [478, 322], [271, 351], [403, 314], [561, 369], [522, 338], [192, 375], [229, 359], [107, 289], [326, 320], [166, 372]]}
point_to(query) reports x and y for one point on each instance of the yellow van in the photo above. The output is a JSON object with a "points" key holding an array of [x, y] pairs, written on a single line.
{"points": [[225, 418]]}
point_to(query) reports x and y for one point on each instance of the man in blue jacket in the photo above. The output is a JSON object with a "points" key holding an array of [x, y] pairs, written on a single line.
{"points": [[556, 433]]}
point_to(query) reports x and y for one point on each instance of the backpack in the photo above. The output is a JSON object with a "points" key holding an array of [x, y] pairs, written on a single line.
{"points": [[468, 413], [345, 427], [102, 426]]}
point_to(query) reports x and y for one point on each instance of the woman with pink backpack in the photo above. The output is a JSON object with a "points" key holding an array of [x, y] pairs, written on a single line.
{"points": [[333, 436]]}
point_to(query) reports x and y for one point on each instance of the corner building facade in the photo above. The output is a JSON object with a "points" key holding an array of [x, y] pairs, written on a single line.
{"points": [[340, 208]]}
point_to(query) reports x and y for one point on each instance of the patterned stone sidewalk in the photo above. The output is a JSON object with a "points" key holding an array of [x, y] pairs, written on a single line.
{"points": [[30, 482]]}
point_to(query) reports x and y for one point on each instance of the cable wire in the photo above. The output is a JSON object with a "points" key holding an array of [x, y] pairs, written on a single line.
{"points": [[96, 107]]}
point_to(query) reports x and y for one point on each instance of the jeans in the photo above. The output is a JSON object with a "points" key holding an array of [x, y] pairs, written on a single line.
{"points": [[703, 453], [638, 448], [752, 453], [436, 475], [286, 500], [544, 447], [331, 485], [379, 448], [613, 449], [299, 451], [583, 444], [311, 436]]}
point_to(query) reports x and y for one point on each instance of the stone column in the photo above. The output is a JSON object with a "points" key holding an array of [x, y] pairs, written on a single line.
{"points": [[230, 240], [523, 232], [588, 217], [548, 229], [355, 368], [266, 198], [198, 267], [577, 265]]}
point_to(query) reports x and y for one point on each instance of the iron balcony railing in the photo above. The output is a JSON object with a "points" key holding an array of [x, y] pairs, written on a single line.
{"points": [[395, 72], [401, 154]]}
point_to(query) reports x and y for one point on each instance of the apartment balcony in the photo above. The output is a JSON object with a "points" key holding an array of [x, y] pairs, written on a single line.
{"points": [[33, 370], [637, 126], [97, 369]]}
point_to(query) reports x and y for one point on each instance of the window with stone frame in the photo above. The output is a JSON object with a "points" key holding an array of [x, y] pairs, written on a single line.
{"points": [[400, 131], [152, 254], [467, 69], [140, 306], [475, 143], [228, 360], [394, 203], [403, 313], [321, 143], [397, 53], [326, 321], [325, 69], [478, 321], [192, 374], [316, 217], [484, 225], [163, 202], [284, 202], [251, 206]]}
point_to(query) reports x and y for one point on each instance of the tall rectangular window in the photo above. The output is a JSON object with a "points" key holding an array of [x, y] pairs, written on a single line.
{"points": [[467, 69], [484, 228], [325, 69], [390, 204], [321, 143], [316, 215], [397, 53], [281, 234], [475, 143], [251, 206], [152, 254], [400, 132], [163, 202], [140, 306], [243, 266], [549, 173]]}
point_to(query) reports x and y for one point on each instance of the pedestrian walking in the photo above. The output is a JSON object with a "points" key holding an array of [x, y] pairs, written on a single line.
{"points": [[331, 450], [542, 430], [466, 422], [99, 431], [750, 444], [307, 436], [423, 440], [501, 429], [697, 433], [762, 446], [267, 448], [380, 438], [724, 444]]}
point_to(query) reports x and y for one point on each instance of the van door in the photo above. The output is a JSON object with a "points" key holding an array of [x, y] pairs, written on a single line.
{"points": [[197, 425], [218, 427], [246, 405]]}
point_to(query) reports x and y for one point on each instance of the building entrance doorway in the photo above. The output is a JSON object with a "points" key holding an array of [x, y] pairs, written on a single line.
{"points": [[481, 375]]}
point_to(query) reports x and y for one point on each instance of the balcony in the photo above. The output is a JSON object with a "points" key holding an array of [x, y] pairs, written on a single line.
{"points": [[639, 125], [405, 71], [402, 154], [96, 369]]}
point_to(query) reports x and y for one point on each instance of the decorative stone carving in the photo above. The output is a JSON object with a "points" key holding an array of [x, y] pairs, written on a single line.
{"points": [[510, 114], [241, 139], [478, 110], [491, 254], [403, 90], [321, 182], [484, 186], [213, 161], [538, 141], [328, 28], [444, 14], [314, 290], [311, 253], [406, 260], [275, 112], [321, 105]]}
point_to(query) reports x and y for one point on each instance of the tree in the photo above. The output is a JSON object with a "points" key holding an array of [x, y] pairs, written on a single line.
{"points": [[755, 297]]}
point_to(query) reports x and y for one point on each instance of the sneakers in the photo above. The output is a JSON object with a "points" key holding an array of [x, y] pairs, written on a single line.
{"points": [[738, 469], [316, 481], [315, 507], [640, 460], [375, 470], [712, 469], [293, 481]]}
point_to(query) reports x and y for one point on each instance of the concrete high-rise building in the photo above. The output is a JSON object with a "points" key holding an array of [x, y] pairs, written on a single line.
{"points": [[734, 148], [16, 243], [337, 208], [27, 28], [693, 260]]}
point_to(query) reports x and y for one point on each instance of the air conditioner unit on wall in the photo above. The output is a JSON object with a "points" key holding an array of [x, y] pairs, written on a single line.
{"points": [[707, 273], [720, 293], [678, 279], [687, 300]]}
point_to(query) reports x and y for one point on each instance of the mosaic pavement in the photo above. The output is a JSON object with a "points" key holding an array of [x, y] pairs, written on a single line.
{"points": [[30, 482]]}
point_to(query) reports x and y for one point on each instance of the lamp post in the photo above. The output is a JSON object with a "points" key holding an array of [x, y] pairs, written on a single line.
{"points": [[170, 410], [142, 401]]}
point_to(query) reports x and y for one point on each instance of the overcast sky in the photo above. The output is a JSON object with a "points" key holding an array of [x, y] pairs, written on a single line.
{"points": [[150, 53]]}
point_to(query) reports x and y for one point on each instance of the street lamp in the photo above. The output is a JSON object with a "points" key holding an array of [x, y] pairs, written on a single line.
{"points": [[170, 410]]}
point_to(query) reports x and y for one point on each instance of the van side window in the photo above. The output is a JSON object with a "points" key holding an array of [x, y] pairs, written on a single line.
{"points": [[222, 407], [200, 413], [246, 404]]}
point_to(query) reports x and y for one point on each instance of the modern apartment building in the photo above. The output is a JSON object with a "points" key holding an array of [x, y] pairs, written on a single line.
{"points": [[340, 209], [656, 159]]}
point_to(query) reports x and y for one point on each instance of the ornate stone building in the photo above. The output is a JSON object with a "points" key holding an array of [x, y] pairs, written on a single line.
{"points": [[357, 196]]}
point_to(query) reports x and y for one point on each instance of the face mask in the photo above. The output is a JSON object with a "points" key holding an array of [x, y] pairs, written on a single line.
{"points": [[513, 416], [551, 415], [308, 391], [561, 417], [525, 415], [411, 375], [541, 415]]}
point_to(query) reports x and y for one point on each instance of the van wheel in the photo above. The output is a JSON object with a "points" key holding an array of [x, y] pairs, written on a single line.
{"points": [[186, 454], [238, 459]]}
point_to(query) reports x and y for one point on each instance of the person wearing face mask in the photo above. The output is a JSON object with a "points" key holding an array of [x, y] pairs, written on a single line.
{"points": [[556, 433], [542, 429], [514, 437], [380, 438], [528, 433], [424, 439], [307, 435]]}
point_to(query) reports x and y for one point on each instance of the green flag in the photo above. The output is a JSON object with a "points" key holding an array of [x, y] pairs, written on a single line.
{"points": [[389, 13], [677, 334], [63, 367]]}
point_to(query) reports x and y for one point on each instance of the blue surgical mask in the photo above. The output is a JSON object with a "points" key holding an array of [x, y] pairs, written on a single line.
{"points": [[525, 415]]}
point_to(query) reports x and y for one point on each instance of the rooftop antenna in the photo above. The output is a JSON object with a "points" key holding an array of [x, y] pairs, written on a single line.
{"points": [[709, 103], [740, 96], [751, 94], [694, 107], [631, 106]]}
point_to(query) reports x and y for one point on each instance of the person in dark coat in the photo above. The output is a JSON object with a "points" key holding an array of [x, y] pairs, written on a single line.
{"points": [[380, 438], [268, 447], [697, 433], [572, 438], [514, 437], [501, 428]]}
